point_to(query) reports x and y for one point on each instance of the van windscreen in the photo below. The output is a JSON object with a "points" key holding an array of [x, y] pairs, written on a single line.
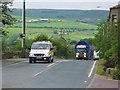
{"points": [[40, 46]]}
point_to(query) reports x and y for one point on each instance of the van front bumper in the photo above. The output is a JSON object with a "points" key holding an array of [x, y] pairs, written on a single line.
{"points": [[39, 58]]}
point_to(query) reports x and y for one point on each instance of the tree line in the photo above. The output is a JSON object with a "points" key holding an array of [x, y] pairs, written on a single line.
{"points": [[11, 46]]}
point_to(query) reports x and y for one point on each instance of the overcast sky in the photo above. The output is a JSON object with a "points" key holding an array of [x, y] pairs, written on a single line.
{"points": [[67, 4]]}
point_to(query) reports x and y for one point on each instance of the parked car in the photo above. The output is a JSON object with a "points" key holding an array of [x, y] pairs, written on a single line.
{"points": [[96, 56]]}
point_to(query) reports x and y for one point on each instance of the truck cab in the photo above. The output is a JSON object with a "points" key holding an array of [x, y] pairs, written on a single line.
{"points": [[83, 50], [41, 51]]}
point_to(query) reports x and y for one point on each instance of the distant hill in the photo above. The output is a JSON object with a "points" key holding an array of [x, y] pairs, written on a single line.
{"points": [[86, 16]]}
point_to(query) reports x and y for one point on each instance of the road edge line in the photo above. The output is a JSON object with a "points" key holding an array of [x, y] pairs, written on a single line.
{"points": [[92, 69]]}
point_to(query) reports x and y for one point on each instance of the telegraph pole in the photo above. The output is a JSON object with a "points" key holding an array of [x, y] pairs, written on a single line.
{"points": [[61, 32], [23, 30], [118, 28]]}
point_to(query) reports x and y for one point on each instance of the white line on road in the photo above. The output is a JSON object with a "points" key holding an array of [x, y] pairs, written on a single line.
{"points": [[64, 60], [38, 73], [50, 64], [48, 67], [92, 69]]}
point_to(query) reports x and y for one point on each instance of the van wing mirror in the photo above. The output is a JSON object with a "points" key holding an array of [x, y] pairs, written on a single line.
{"points": [[51, 48], [29, 48]]}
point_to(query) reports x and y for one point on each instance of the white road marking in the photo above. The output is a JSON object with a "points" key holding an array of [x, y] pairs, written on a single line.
{"points": [[64, 60], [38, 73], [85, 81], [50, 64], [92, 69], [48, 67]]}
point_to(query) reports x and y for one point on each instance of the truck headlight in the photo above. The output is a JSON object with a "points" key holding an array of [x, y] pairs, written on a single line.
{"points": [[77, 54], [84, 54]]}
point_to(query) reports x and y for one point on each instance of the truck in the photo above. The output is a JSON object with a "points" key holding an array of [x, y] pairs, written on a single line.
{"points": [[41, 51], [84, 50]]}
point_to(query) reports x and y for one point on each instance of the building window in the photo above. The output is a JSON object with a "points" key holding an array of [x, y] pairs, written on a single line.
{"points": [[114, 18]]}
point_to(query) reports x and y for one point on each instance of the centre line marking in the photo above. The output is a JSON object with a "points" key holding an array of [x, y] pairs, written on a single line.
{"points": [[50, 64], [48, 67], [92, 69], [41, 72]]}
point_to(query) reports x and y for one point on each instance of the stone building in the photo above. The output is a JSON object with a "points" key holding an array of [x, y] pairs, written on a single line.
{"points": [[114, 14]]}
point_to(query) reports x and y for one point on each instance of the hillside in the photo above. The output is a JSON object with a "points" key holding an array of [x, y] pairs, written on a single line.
{"points": [[86, 16]]}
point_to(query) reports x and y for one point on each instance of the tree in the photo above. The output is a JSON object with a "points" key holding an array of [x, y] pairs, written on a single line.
{"points": [[41, 37], [118, 43], [106, 41], [6, 18]]}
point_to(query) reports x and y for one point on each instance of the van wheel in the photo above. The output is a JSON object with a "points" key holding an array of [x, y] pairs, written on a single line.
{"points": [[49, 61], [30, 61], [52, 60]]}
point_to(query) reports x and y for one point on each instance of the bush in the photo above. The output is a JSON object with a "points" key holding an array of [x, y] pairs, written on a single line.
{"points": [[13, 54], [8, 55], [41, 37], [116, 74], [63, 49]]}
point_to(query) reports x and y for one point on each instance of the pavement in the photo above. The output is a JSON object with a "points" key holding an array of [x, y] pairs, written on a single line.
{"points": [[104, 82], [97, 82]]}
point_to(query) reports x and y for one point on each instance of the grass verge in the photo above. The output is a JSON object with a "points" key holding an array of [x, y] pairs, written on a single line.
{"points": [[100, 67]]}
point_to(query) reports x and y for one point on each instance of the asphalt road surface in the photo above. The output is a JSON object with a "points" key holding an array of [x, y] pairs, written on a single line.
{"points": [[60, 74]]}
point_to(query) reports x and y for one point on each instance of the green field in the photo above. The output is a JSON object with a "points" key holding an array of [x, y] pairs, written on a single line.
{"points": [[80, 35], [76, 35], [32, 33], [62, 24]]}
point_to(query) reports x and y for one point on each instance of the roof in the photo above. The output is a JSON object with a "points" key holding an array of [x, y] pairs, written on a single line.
{"points": [[43, 42], [116, 7]]}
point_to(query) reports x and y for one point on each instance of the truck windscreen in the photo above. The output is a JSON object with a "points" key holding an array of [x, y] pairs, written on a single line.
{"points": [[40, 46], [81, 50]]}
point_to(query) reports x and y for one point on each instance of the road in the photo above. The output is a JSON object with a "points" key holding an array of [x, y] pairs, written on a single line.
{"points": [[60, 74]]}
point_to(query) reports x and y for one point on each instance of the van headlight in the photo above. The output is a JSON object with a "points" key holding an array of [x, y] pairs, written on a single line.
{"points": [[31, 54]]}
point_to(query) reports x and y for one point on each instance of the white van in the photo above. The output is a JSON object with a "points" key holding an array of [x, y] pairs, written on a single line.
{"points": [[41, 51]]}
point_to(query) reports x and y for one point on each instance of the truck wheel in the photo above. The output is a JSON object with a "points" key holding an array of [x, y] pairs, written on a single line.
{"points": [[34, 61], [86, 58], [77, 58]]}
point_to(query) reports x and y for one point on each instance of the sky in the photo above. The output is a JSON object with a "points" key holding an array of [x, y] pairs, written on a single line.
{"points": [[67, 4]]}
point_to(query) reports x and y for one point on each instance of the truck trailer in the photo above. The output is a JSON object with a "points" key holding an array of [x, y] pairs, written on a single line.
{"points": [[84, 50]]}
